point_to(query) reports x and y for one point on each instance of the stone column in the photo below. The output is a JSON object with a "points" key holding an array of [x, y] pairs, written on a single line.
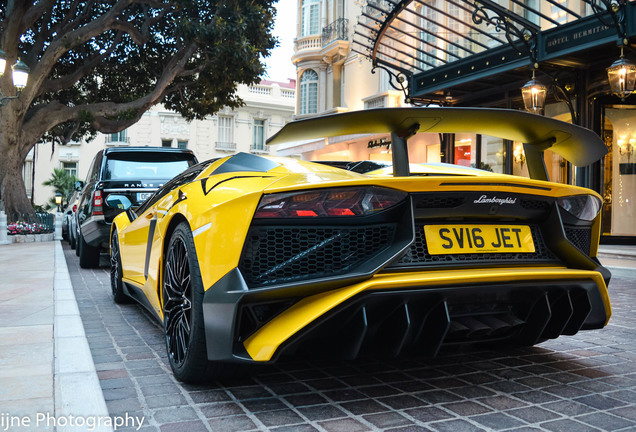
{"points": [[4, 237], [58, 226]]}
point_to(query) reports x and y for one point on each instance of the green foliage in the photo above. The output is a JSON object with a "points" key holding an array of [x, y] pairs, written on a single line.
{"points": [[98, 65], [228, 39], [63, 183]]}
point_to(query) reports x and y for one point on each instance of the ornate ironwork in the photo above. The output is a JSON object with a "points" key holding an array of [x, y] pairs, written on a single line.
{"points": [[616, 9], [337, 30], [515, 30], [399, 81], [561, 95]]}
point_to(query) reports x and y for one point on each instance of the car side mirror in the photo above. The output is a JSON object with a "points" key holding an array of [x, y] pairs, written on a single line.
{"points": [[79, 185], [121, 202], [118, 201]]}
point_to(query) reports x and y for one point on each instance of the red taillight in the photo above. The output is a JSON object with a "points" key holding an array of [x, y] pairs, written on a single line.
{"points": [[74, 208], [340, 212], [97, 203], [341, 202]]}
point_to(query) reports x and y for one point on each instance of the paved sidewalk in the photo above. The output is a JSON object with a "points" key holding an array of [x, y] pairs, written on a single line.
{"points": [[617, 256], [47, 376]]}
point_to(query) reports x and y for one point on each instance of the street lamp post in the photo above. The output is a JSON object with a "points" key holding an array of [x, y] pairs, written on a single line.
{"points": [[58, 216], [58, 201], [20, 77]]}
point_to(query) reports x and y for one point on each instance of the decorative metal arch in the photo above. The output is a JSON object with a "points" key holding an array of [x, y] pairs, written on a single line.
{"points": [[427, 45]]}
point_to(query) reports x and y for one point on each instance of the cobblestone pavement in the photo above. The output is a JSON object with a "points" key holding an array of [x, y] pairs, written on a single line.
{"points": [[576, 383]]}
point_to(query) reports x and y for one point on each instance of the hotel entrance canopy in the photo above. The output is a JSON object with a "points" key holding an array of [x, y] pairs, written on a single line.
{"points": [[478, 48]]}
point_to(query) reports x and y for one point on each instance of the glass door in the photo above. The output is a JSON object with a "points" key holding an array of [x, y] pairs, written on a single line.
{"points": [[619, 171]]}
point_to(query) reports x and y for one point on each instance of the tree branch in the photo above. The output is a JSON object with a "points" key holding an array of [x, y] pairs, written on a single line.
{"points": [[67, 41], [106, 125], [127, 27], [42, 36], [151, 20], [45, 117], [53, 85], [34, 13]]}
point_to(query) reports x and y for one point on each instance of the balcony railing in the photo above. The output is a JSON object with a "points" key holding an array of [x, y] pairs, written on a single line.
{"points": [[308, 42], [260, 90], [376, 102], [111, 140], [337, 30], [259, 149], [290, 94], [225, 146]]}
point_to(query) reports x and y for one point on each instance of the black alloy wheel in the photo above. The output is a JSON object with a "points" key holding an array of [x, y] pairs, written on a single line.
{"points": [[116, 283], [71, 238], [177, 306], [182, 292]]}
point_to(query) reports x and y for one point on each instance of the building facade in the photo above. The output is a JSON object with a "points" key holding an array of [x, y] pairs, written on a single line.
{"points": [[334, 75], [466, 53], [333, 78], [268, 107]]}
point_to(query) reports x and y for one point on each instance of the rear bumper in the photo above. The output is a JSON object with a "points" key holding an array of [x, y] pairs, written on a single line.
{"points": [[96, 231], [391, 314]]}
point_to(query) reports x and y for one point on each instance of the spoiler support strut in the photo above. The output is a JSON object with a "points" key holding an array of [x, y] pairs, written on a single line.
{"points": [[400, 151], [534, 158]]}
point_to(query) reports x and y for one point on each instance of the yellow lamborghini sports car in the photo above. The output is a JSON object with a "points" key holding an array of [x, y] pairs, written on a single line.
{"points": [[249, 258]]}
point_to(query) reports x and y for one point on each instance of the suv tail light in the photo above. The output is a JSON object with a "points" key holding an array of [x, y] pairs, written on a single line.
{"points": [[74, 208], [97, 203], [340, 202]]}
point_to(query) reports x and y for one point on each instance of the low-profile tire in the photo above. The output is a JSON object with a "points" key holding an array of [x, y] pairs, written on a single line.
{"points": [[116, 283], [182, 293], [77, 235], [71, 239], [88, 255]]}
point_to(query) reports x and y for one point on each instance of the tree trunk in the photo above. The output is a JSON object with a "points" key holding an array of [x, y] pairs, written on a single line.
{"points": [[12, 188], [14, 193]]}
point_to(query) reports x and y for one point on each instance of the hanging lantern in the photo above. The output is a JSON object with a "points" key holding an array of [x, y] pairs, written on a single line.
{"points": [[3, 62], [622, 75], [534, 94], [20, 75]]}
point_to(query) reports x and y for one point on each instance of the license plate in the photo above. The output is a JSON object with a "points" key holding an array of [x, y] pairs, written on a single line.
{"points": [[143, 196], [458, 239]]}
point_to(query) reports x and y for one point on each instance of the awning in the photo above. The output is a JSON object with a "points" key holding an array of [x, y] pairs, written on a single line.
{"points": [[433, 45]]}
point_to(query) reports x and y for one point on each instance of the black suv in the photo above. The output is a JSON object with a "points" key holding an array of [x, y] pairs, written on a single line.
{"points": [[136, 172]]}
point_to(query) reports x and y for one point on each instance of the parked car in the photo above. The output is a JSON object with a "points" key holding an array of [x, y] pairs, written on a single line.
{"points": [[66, 222], [72, 223], [249, 258], [69, 215], [133, 172]]}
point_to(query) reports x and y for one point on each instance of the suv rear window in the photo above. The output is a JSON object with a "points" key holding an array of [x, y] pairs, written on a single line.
{"points": [[145, 166]]}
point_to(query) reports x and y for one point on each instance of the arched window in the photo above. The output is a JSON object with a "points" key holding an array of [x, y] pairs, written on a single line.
{"points": [[309, 92], [311, 17]]}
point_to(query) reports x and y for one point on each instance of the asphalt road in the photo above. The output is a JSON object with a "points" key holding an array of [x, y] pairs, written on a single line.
{"points": [[580, 383]]}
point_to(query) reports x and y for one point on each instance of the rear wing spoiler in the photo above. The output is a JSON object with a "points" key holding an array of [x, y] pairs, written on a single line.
{"points": [[578, 145]]}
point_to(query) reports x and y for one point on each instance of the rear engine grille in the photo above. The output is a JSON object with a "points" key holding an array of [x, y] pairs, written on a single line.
{"points": [[581, 237], [388, 324], [535, 205], [417, 254], [283, 254], [436, 201]]}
